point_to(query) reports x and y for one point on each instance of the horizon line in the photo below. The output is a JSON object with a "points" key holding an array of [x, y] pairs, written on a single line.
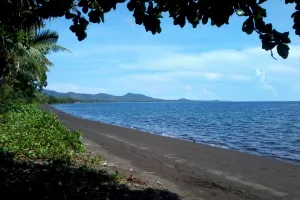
{"points": [[177, 99]]}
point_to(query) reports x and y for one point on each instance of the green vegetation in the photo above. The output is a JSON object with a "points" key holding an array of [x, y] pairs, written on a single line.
{"points": [[23, 65], [54, 100], [31, 133], [8, 95], [23, 58], [49, 99], [41, 159]]}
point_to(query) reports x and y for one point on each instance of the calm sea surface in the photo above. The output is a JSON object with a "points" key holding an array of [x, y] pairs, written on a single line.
{"points": [[270, 129]]}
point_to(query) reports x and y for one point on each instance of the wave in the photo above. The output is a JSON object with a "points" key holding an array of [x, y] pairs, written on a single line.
{"points": [[219, 146], [266, 129]]}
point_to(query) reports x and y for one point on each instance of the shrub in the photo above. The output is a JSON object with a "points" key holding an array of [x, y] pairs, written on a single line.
{"points": [[32, 133]]}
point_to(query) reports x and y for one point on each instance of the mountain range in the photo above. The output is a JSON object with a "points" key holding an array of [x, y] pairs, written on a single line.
{"points": [[129, 97]]}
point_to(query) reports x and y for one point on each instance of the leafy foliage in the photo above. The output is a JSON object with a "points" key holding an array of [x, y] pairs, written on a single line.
{"points": [[24, 54], [36, 134], [41, 159], [24, 62], [55, 100], [29, 94], [149, 12]]}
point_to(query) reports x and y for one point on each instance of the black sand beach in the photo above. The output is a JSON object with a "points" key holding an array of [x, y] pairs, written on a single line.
{"points": [[197, 171]]}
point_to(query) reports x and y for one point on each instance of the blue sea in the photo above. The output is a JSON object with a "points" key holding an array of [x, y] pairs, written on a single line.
{"points": [[270, 129]]}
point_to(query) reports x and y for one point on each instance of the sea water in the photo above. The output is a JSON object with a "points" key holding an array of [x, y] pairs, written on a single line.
{"points": [[270, 129]]}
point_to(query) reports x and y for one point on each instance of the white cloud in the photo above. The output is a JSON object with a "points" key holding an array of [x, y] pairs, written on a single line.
{"points": [[211, 76], [263, 81], [282, 69], [174, 75], [151, 67], [188, 89], [189, 93], [163, 58], [207, 95], [237, 65], [294, 52], [75, 88], [155, 77], [239, 77]]}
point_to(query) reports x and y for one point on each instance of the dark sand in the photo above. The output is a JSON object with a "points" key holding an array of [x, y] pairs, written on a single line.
{"points": [[202, 171]]}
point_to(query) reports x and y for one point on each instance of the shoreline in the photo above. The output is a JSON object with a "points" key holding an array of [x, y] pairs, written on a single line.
{"points": [[205, 171], [265, 155]]}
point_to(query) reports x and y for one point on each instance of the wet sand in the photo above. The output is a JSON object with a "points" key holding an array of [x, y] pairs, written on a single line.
{"points": [[202, 171]]}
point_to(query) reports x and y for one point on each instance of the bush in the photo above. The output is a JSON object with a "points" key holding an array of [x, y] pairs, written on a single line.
{"points": [[31, 133]]}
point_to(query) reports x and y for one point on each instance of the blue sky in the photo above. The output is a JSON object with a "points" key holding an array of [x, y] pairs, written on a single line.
{"points": [[203, 63]]}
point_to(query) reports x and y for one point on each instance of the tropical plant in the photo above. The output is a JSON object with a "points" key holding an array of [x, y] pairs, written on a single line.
{"points": [[24, 61], [26, 52], [36, 134], [34, 62]]}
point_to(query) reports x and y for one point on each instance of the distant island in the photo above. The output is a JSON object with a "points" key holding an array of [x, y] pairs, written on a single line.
{"points": [[103, 97]]}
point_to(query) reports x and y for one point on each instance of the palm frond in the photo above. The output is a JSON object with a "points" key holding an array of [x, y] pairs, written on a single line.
{"points": [[33, 67], [48, 48], [46, 40], [48, 62], [45, 36], [25, 51]]}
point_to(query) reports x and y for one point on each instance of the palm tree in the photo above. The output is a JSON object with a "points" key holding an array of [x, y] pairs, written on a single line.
{"points": [[25, 53], [41, 43]]}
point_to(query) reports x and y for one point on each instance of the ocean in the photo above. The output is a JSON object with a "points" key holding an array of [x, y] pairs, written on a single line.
{"points": [[270, 129]]}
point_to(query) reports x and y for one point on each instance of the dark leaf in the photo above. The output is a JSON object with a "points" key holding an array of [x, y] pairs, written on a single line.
{"points": [[205, 19], [285, 38], [85, 9], [268, 28], [283, 50], [158, 30], [297, 31], [259, 12], [295, 14], [150, 7], [248, 26], [267, 45], [82, 3], [130, 6], [289, 1], [261, 1], [102, 16], [260, 25], [69, 15]]}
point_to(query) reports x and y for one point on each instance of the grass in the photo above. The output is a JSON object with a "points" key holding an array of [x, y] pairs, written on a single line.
{"points": [[41, 159]]}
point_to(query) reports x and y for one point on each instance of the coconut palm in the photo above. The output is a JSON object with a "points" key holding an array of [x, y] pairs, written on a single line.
{"points": [[25, 53], [40, 44]]}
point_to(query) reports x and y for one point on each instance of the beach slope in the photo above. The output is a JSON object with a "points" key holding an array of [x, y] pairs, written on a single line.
{"points": [[201, 171]]}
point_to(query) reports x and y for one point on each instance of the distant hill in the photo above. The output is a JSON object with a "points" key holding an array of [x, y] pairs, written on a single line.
{"points": [[129, 97]]}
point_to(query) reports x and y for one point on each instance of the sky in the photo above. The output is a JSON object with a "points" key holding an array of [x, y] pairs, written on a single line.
{"points": [[205, 63]]}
